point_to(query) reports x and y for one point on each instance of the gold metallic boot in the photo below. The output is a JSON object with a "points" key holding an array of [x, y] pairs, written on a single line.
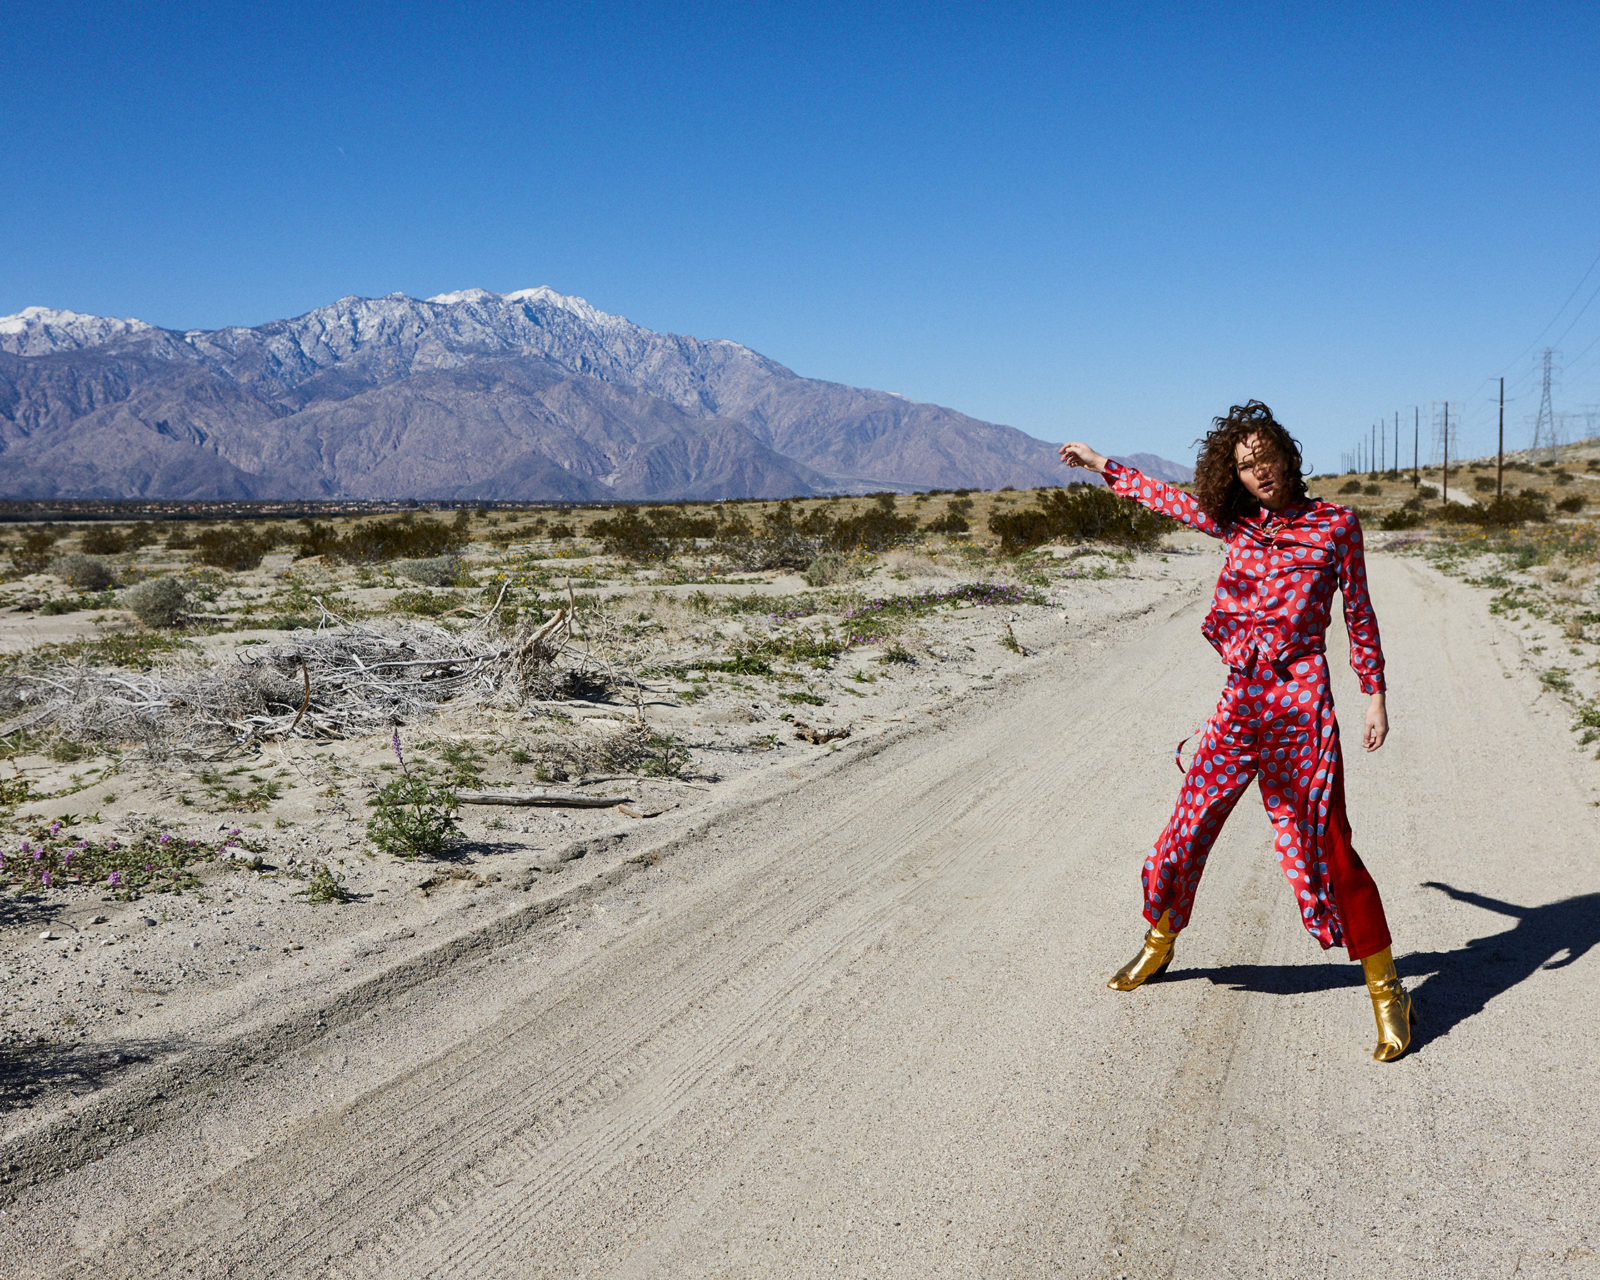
{"points": [[1153, 957], [1391, 1005]]}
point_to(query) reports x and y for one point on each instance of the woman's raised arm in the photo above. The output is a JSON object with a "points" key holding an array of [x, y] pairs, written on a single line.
{"points": [[1129, 482]]}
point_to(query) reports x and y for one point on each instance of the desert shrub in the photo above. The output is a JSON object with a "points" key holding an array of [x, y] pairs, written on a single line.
{"points": [[657, 535], [103, 540], [76, 604], [157, 602], [829, 569], [876, 529], [426, 604], [1574, 504], [85, 573], [230, 547], [1371, 490], [413, 818], [779, 543], [632, 538], [180, 538], [1400, 519], [1561, 476], [32, 554], [1413, 503], [1484, 484], [1428, 491], [949, 522], [1350, 486], [379, 541], [434, 571], [324, 887], [1082, 513], [561, 531], [1508, 509]]}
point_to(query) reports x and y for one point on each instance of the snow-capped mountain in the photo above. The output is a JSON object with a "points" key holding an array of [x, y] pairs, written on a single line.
{"points": [[523, 395], [37, 331]]}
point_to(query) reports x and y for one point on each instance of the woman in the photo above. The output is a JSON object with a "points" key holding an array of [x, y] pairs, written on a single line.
{"points": [[1286, 552]]}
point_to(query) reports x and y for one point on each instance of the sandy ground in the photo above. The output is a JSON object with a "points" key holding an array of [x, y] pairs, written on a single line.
{"points": [[849, 1019]]}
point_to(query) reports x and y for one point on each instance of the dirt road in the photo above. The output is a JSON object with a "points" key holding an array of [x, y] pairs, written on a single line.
{"points": [[862, 1030]]}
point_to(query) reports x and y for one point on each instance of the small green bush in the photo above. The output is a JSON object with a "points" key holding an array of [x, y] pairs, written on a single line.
{"points": [[1350, 486], [434, 571], [231, 547], [1573, 504], [414, 818], [1428, 491], [86, 573], [157, 602], [1484, 484], [829, 569], [1401, 519], [426, 604], [103, 540], [325, 887], [1371, 490], [33, 554]]}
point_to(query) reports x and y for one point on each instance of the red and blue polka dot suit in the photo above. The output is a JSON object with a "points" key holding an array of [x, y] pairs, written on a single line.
{"points": [[1268, 620]]}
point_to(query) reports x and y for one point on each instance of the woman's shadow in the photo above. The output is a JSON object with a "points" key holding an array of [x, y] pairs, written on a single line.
{"points": [[1449, 986]]}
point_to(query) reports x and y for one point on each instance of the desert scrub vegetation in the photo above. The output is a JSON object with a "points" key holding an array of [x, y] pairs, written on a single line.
{"points": [[159, 603], [413, 816], [379, 541], [1545, 573], [436, 571], [55, 857], [1082, 513], [84, 572], [324, 887]]}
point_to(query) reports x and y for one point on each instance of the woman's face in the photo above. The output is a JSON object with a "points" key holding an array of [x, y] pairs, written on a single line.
{"points": [[1261, 471]]}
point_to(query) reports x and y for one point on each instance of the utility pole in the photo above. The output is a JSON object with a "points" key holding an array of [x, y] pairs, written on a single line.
{"points": [[1500, 449], [1416, 445], [1397, 443], [1372, 449], [1445, 486]]}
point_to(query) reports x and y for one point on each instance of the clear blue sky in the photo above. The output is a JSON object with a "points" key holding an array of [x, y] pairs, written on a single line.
{"points": [[1098, 221]]}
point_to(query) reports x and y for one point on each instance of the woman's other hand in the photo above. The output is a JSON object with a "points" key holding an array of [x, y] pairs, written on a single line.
{"points": [[1077, 454], [1377, 723]]}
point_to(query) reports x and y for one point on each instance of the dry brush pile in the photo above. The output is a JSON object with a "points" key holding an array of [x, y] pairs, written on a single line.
{"points": [[338, 681]]}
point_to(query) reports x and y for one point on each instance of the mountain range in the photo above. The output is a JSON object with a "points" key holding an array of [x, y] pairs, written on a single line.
{"points": [[528, 395]]}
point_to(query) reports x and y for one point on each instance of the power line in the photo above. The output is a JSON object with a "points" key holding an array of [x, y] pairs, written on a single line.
{"points": [[1551, 323]]}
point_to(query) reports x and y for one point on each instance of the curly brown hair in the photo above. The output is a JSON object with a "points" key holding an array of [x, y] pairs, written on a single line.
{"points": [[1216, 475]]}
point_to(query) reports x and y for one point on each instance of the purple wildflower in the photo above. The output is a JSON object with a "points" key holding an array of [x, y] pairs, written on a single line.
{"points": [[166, 838], [398, 754], [115, 878], [45, 879], [55, 828]]}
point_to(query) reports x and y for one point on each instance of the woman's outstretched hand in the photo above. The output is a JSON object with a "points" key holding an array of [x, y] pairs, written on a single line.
{"points": [[1377, 723], [1077, 454]]}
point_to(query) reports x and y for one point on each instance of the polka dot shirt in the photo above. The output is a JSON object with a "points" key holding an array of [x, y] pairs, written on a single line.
{"points": [[1273, 596]]}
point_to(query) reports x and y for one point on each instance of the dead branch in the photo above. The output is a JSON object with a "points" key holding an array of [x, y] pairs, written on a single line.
{"points": [[556, 799]]}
